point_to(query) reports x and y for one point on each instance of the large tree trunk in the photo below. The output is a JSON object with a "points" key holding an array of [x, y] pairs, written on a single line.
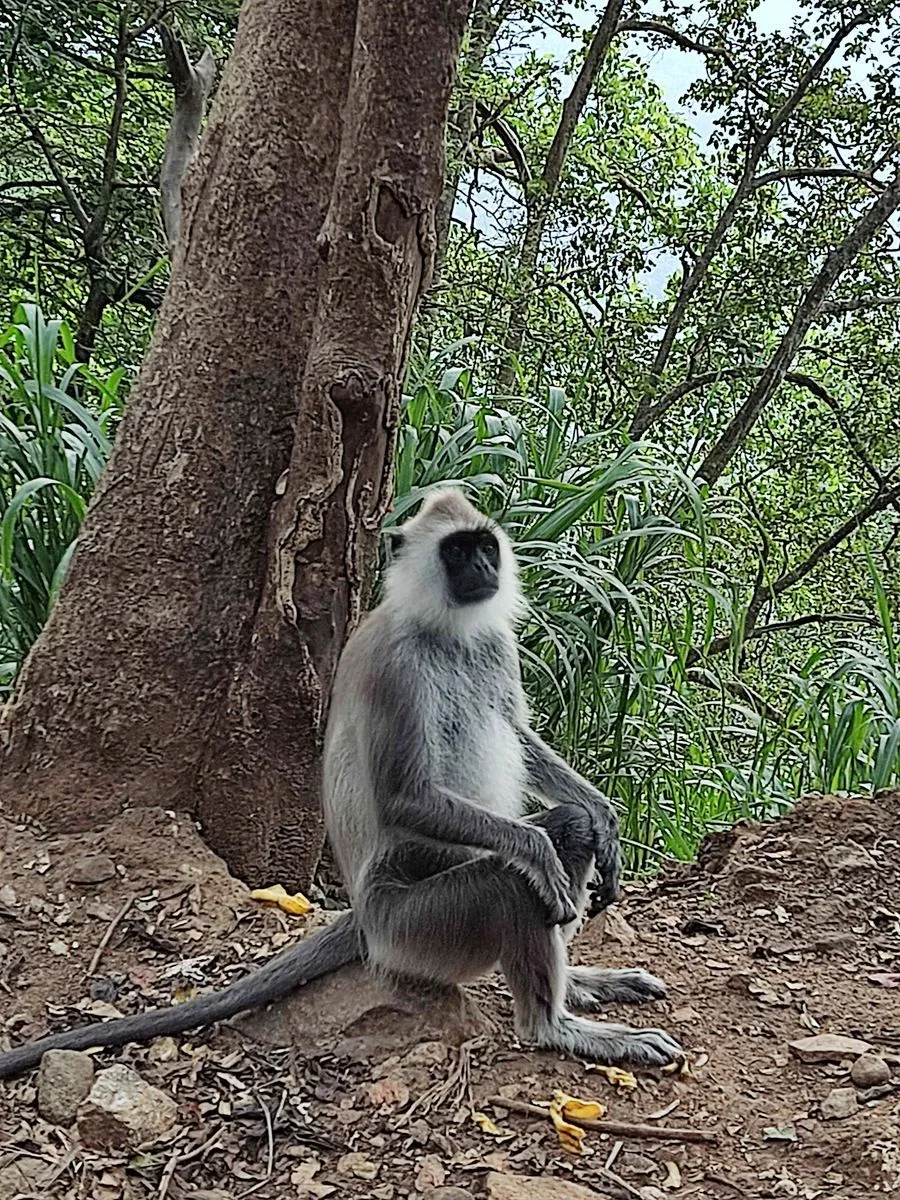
{"points": [[379, 241], [191, 631]]}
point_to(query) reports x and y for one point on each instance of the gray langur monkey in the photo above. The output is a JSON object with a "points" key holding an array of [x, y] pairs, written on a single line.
{"points": [[429, 756]]}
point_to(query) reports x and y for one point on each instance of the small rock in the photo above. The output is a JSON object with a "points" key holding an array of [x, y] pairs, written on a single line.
{"points": [[685, 1016], [828, 1047], [92, 869], [839, 1103], [163, 1049], [123, 1112], [447, 1193], [431, 1173], [869, 1071], [64, 1079], [849, 858], [538, 1187]]}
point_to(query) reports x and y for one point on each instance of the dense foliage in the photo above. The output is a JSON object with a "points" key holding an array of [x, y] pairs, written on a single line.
{"points": [[664, 346]]}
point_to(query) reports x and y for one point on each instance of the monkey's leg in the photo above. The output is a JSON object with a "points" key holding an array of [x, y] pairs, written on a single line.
{"points": [[440, 913], [542, 983], [589, 989]]}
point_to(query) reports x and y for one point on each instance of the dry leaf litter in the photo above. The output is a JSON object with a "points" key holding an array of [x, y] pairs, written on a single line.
{"points": [[781, 947]]}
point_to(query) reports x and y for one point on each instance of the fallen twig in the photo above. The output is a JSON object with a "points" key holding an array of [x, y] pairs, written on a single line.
{"points": [[621, 1129], [110, 930]]}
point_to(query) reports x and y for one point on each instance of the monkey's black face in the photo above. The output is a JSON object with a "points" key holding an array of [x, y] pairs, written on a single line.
{"points": [[471, 559]]}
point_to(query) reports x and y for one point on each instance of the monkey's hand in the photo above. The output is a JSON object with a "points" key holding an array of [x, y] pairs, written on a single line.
{"points": [[607, 858], [547, 876]]}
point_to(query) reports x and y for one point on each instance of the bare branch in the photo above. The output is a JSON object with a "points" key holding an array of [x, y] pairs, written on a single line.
{"points": [[738, 689], [688, 43], [720, 644], [539, 202], [94, 233], [836, 263], [839, 307], [817, 173], [37, 136], [692, 279], [882, 499], [191, 84], [511, 143]]}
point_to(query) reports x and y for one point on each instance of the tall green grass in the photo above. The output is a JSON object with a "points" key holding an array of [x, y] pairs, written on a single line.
{"points": [[621, 564], [55, 426], [619, 558]]}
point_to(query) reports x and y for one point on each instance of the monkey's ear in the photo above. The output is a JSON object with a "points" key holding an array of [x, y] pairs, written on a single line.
{"points": [[396, 540]]}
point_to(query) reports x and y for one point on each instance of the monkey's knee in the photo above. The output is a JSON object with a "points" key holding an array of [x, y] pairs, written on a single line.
{"points": [[571, 830]]}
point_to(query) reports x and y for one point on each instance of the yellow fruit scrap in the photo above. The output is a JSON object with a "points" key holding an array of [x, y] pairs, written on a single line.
{"points": [[297, 905], [570, 1136], [616, 1076], [486, 1125]]}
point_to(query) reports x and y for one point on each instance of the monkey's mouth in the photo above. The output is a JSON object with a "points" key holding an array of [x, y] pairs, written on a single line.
{"points": [[477, 593]]}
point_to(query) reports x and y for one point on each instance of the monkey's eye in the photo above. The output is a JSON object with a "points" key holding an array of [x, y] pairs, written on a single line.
{"points": [[455, 553]]}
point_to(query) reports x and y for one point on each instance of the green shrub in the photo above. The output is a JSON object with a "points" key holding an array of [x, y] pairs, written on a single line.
{"points": [[619, 566], [55, 425]]}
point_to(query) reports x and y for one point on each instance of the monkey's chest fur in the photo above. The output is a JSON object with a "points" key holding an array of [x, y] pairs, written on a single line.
{"points": [[472, 742]]}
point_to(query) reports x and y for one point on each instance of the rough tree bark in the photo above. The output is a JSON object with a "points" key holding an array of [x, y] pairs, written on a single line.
{"points": [[166, 604], [379, 243]]}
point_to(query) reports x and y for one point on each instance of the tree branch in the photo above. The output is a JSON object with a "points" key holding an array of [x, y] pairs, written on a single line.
{"points": [[738, 689], [510, 142], [191, 84], [37, 136], [877, 503], [816, 173], [720, 644], [839, 307], [692, 279], [94, 233], [835, 264], [688, 43], [539, 200]]}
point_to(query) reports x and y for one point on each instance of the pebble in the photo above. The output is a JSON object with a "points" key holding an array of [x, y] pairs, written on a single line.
{"points": [[828, 1047], [869, 1071], [537, 1187], [64, 1079], [92, 869], [123, 1112], [840, 1103]]}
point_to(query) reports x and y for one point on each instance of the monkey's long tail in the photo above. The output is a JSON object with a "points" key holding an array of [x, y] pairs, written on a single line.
{"points": [[321, 953]]}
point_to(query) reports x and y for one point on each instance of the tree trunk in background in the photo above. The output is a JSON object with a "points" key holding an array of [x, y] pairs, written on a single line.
{"points": [[379, 242], [184, 605]]}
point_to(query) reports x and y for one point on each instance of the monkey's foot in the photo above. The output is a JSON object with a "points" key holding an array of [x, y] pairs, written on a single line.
{"points": [[613, 1045], [589, 989]]}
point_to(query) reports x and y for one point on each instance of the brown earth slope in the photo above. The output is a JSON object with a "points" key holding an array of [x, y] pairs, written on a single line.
{"points": [[779, 932]]}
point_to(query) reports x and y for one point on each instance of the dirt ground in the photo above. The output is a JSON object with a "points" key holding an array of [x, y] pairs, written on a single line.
{"points": [[777, 933]]}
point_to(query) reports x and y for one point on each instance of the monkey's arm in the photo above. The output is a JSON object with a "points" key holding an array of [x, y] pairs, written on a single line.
{"points": [[408, 798], [551, 777]]}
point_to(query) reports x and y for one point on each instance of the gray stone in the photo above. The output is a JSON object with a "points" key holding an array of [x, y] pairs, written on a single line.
{"points": [[538, 1187], [92, 869], [828, 1047], [869, 1071], [64, 1079], [840, 1103], [123, 1112], [447, 1193]]}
